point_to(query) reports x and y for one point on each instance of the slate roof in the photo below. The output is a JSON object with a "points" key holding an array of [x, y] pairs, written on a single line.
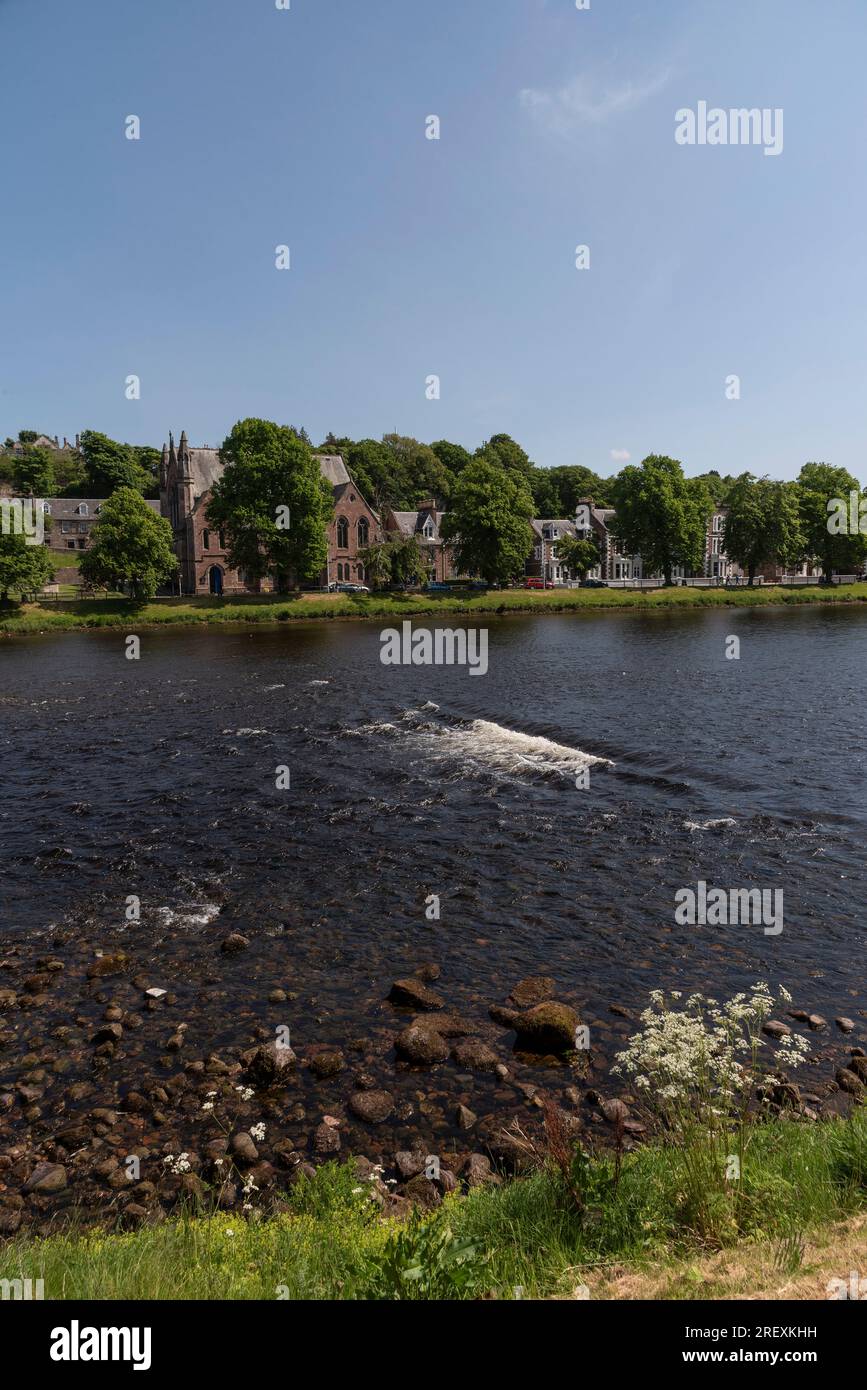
{"points": [[66, 508]]}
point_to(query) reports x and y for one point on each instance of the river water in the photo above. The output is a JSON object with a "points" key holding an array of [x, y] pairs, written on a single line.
{"points": [[156, 778]]}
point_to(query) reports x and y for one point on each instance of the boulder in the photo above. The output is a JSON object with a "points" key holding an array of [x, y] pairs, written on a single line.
{"points": [[269, 1064], [474, 1055], [548, 1027], [848, 1081], [45, 1178], [326, 1064], [535, 989], [374, 1107], [413, 993], [422, 1044], [775, 1029], [234, 943], [242, 1147], [846, 1025]]}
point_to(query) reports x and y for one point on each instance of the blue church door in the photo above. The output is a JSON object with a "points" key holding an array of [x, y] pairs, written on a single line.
{"points": [[215, 579]]}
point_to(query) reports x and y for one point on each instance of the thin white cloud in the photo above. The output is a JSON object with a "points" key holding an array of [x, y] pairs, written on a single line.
{"points": [[621, 455], [587, 100]]}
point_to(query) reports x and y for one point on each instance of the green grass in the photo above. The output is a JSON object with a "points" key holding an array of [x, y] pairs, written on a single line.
{"points": [[527, 1234], [114, 612]]}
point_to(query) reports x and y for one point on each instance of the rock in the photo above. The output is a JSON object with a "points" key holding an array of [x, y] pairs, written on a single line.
{"points": [[858, 1065], [46, 1177], [8, 999], [422, 1044], [535, 989], [816, 1021], [242, 1147], [234, 943], [326, 1140], [774, 1029], [548, 1027], [786, 1095], [423, 1193], [326, 1064], [267, 1065], [155, 993], [277, 996], [478, 1172], [615, 1112], [9, 1222], [474, 1055], [845, 1025], [464, 1117], [374, 1107], [106, 965], [848, 1081], [428, 972], [410, 1164], [413, 993]]}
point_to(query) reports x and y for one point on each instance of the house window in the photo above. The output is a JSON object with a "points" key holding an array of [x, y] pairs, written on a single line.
{"points": [[342, 533], [65, 526], [360, 572], [428, 529], [82, 509], [70, 545], [363, 531], [206, 540], [46, 507]]}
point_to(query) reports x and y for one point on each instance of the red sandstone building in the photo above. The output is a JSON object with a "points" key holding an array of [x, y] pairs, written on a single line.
{"points": [[187, 476]]}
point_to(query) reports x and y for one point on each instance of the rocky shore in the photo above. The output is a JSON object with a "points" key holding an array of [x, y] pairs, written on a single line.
{"points": [[122, 1096]]}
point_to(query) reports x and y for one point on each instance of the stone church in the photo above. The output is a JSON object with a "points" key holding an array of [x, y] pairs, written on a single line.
{"points": [[186, 478]]}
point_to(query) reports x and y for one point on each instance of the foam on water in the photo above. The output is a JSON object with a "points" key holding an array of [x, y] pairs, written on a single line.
{"points": [[482, 743]]}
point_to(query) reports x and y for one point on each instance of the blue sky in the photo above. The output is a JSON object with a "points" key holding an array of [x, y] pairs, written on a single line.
{"points": [[413, 257]]}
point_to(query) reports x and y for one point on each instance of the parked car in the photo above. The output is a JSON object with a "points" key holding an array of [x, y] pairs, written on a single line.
{"points": [[593, 584], [350, 588], [436, 587], [534, 583]]}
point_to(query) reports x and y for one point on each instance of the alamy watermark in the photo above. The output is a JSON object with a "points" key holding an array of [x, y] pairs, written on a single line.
{"points": [[720, 907], [847, 518], [23, 516], [442, 647], [738, 126]]}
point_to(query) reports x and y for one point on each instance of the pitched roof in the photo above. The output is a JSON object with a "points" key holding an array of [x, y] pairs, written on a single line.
{"points": [[333, 469], [66, 508]]}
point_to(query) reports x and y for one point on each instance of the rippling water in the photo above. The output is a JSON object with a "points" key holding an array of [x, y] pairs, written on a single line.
{"points": [[157, 778]]}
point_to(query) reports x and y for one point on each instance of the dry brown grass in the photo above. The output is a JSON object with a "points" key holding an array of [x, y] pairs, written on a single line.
{"points": [[750, 1271]]}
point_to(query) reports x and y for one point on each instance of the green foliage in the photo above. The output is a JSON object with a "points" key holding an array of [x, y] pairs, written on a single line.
{"points": [[110, 465], [33, 472], [24, 569], [488, 523], [273, 504], [424, 1260], [131, 547], [661, 515], [453, 457], [818, 485], [578, 555], [763, 523], [502, 451]]}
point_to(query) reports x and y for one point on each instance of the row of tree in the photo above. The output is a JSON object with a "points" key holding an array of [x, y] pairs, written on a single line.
{"points": [[274, 508], [96, 469]]}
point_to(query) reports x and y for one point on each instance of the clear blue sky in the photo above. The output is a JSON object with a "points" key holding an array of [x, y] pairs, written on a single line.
{"points": [[411, 257]]}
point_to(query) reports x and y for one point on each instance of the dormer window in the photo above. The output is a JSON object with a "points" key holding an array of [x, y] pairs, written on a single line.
{"points": [[46, 507], [428, 530], [82, 509]]}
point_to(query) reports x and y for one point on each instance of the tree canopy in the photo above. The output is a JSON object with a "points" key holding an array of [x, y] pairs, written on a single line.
{"points": [[762, 525], [488, 523], [661, 515], [273, 504], [131, 547]]}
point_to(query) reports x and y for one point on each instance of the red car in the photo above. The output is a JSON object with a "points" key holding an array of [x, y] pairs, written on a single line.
{"points": [[538, 584]]}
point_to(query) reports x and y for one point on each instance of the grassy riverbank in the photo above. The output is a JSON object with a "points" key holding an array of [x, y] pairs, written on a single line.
{"points": [[105, 613], [799, 1221]]}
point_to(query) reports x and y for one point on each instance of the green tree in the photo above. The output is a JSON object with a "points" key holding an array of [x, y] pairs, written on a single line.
{"points": [[110, 465], [24, 569], [820, 485], [502, 451], [488, 523], [377, 563], [34, 473], [578, 555], [453, 457], [273, 504], [131, 547], [422, 472], [408, 563], [762, 524], [661, 515]]}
